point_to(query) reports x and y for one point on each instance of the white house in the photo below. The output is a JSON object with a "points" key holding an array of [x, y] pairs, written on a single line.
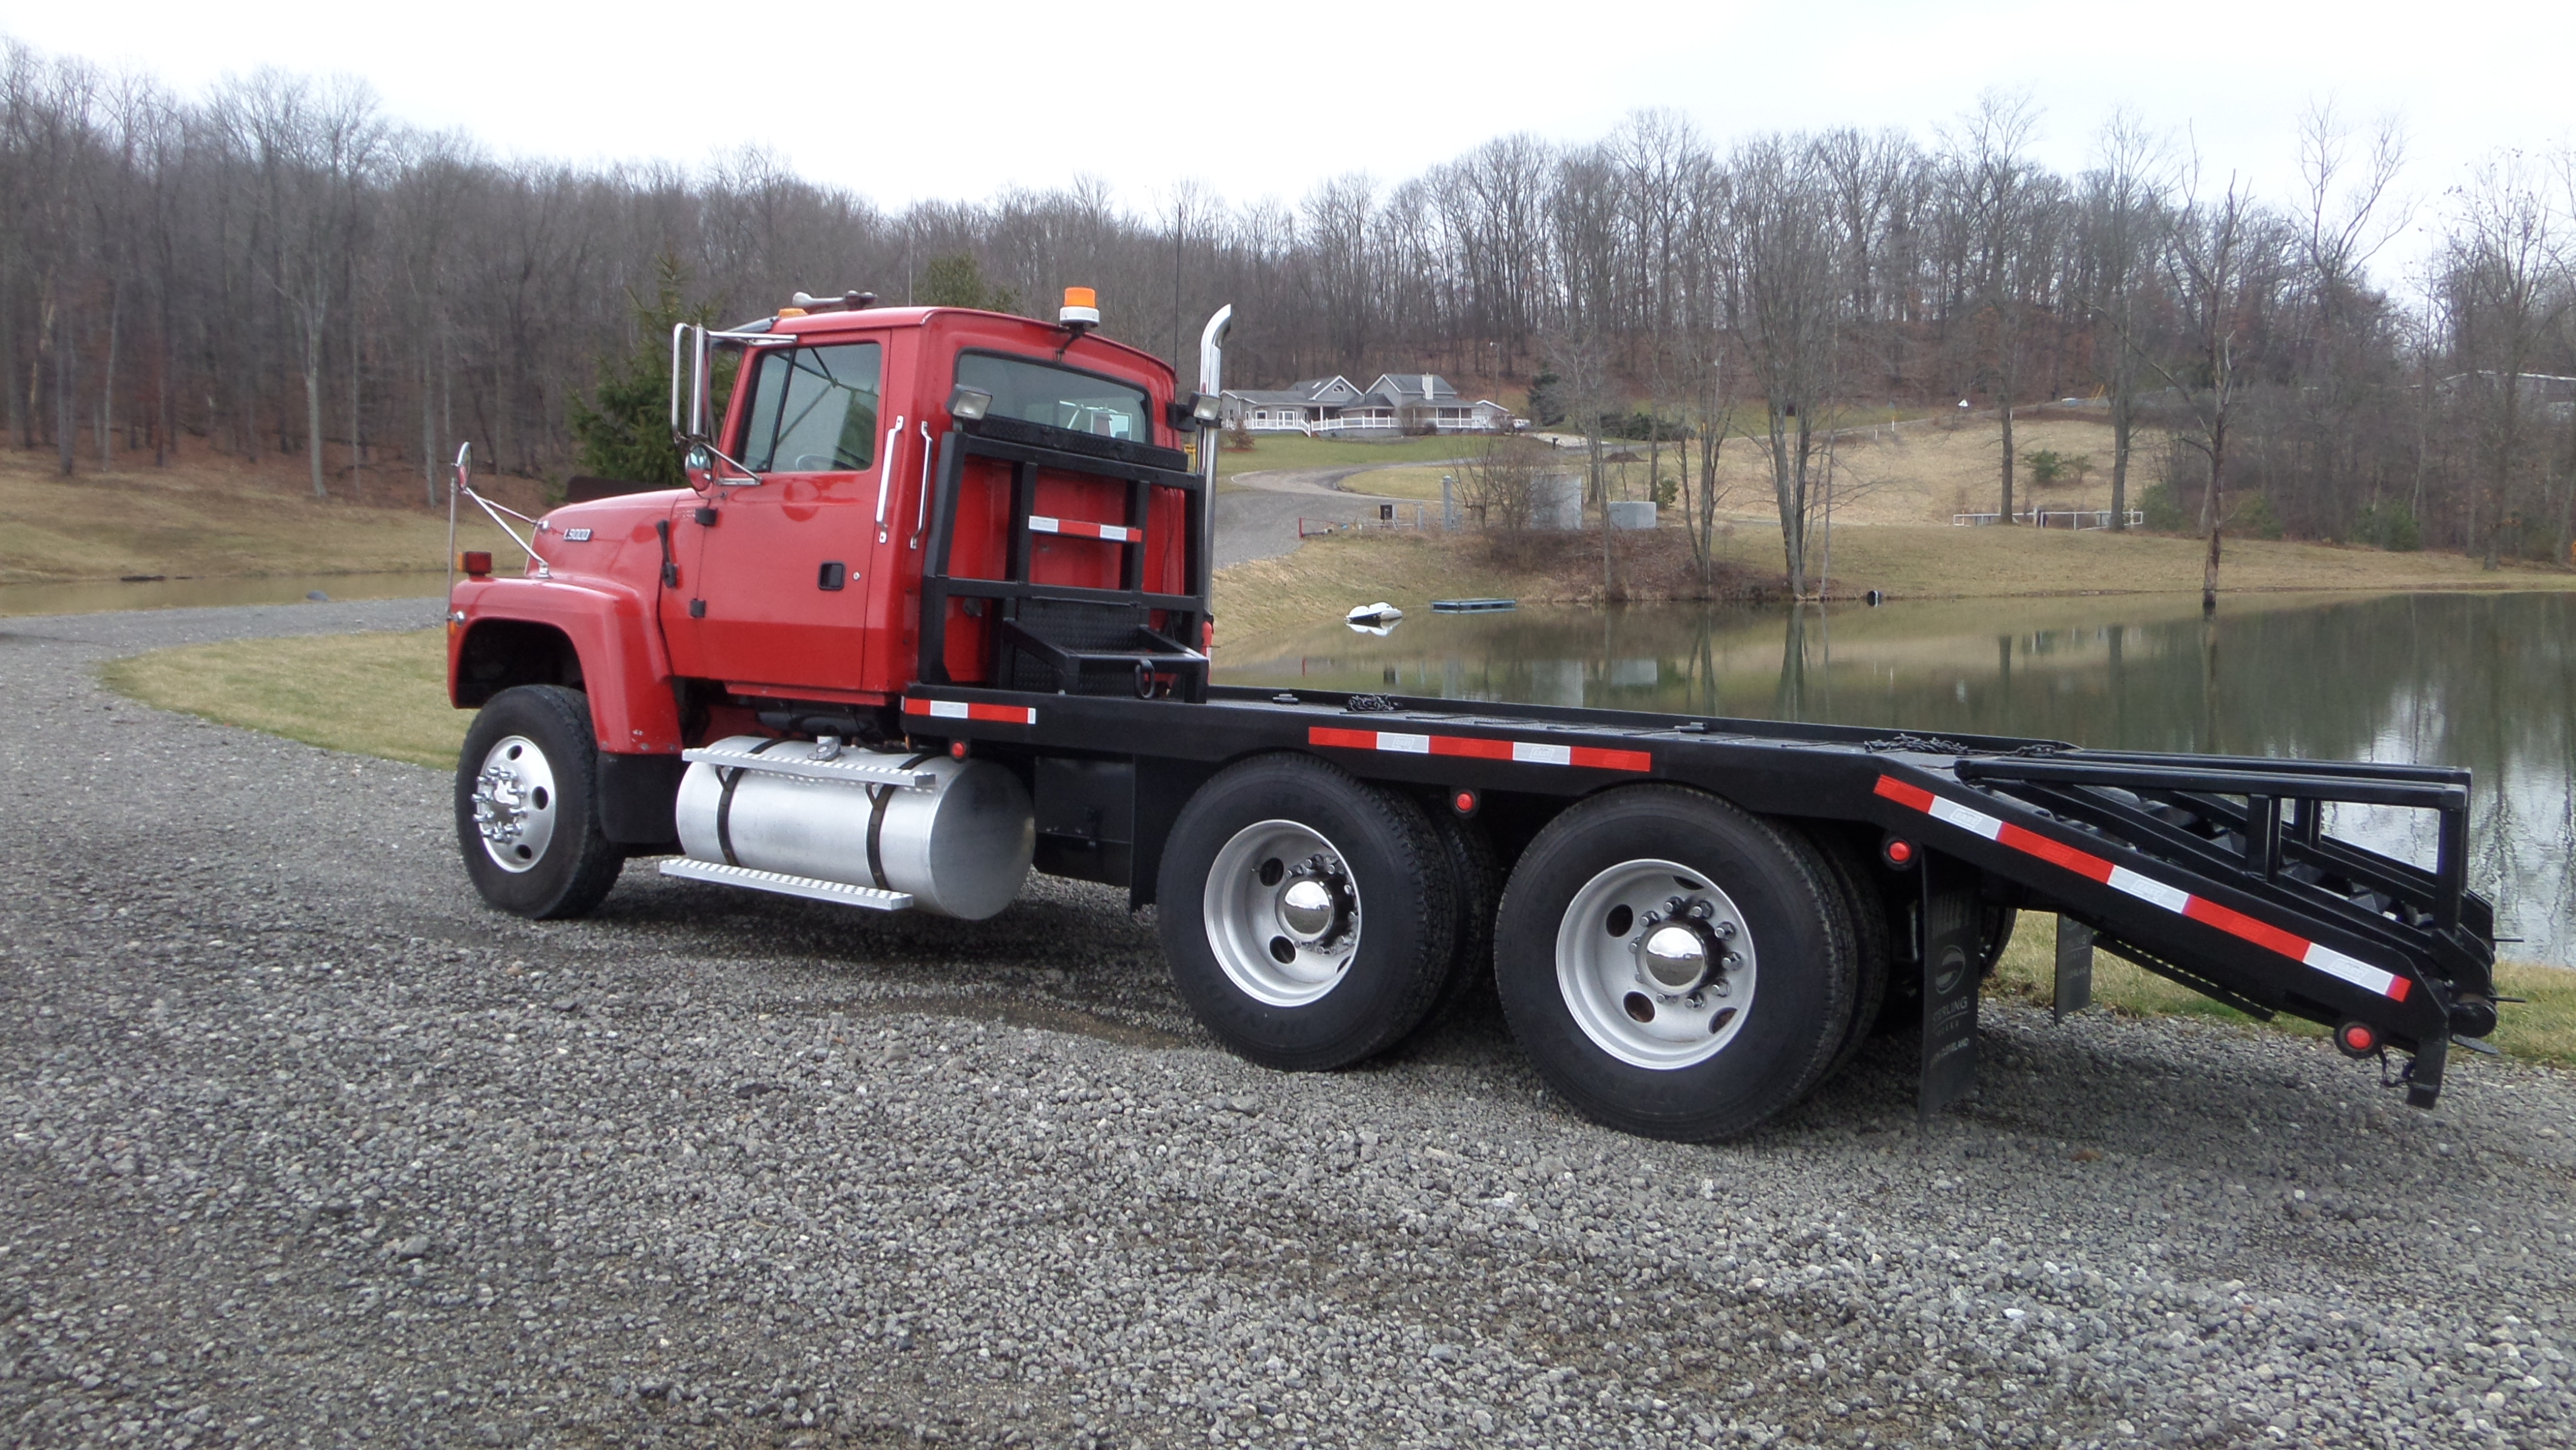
{"points": [[1395, 403]]}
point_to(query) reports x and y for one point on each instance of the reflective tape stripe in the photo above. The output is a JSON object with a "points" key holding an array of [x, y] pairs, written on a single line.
{"points": [[1077, 529], [2147, 889], [966, 710], [1523, 752]]}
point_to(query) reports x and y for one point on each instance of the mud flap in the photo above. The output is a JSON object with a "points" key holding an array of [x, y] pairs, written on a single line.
{"points": [[2074, 968], [1951, 953]]}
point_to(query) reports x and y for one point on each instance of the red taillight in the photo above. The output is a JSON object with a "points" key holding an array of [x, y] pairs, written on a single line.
{"points": [[476, 562], [1898, 852]]}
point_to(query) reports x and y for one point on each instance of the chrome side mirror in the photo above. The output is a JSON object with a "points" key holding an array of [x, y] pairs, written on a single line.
{"points": [[699, 466]]}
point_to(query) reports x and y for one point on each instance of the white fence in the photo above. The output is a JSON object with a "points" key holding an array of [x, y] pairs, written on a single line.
{"points": [[2050, 519]]}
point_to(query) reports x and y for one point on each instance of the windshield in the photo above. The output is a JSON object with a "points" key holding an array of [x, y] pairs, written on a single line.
{"points": [[1037, 392], [814, 409]]}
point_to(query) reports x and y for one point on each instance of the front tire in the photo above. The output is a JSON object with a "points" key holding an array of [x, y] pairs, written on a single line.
{"points": [[527, 805], [1673, 966], [1308, 917]]}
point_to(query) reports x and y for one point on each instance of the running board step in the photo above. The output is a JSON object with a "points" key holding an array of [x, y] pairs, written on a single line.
{"points": [[847, 769], [808, 887]]}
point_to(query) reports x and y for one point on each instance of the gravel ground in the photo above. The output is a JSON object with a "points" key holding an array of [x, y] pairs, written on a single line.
{"points": [[306, 1147]]}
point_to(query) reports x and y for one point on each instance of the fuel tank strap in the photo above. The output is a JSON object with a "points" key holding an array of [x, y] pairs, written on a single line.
{"points": [[724, 809], [878, 798]]}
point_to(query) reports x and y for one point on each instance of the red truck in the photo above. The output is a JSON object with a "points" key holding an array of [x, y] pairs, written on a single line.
{"points": [[933, 612]]}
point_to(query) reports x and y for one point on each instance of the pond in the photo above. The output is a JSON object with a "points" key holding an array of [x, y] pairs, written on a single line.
{"points": [[2486, 681], [96, 597]]}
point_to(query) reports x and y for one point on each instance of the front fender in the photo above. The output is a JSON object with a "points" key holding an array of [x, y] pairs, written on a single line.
{"points": [[613, 633]]}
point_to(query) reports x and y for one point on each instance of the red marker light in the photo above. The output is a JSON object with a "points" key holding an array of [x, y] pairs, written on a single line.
{"points": [[2357, 1039], [1463, 802], [1898, 851], [957, 749], [476, 562]]}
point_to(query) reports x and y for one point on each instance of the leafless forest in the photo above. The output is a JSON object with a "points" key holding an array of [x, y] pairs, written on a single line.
{"points": [[278, 268]]}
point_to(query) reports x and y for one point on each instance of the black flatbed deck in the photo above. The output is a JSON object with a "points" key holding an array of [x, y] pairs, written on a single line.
{"points": [[2214, 871]]}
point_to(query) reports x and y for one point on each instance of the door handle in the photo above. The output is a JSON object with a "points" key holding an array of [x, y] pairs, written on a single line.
{"points": [[885, 473], [921, 510]]}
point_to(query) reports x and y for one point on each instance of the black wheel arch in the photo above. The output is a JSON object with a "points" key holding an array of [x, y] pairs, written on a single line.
{"points": [[501, 653]]}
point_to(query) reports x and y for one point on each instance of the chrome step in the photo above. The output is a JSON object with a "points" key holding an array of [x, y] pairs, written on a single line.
{"points": [[808, 887], [847, 769]]}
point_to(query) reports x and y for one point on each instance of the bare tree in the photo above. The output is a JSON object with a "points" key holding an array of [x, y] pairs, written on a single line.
{"points": [[2219, 275], [2499, 281], [1786, 286], [2003, 218], [2125, 223]]}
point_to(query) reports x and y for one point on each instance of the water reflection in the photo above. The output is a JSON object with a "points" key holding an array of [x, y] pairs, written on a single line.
{"points": [[2482, 680]]}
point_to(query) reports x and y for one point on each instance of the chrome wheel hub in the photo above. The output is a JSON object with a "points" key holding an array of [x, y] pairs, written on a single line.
{"points": [[1282, 913], [1655, 964], [514, 803]]}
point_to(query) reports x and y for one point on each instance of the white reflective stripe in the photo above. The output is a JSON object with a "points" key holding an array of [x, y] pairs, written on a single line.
{"points": [[2124, 879], [1944, 809], [2361, 974], [1409, 744], [1117, 533], [949, 709], [1041, 524], [1532, 753]]}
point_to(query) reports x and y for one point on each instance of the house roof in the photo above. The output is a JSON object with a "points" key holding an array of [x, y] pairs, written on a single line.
{"points": [[1427, 387]]}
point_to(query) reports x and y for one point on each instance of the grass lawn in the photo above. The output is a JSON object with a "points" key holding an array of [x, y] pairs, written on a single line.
{"points": [[213, 517], [1327, 575], [368, 694], [1295, 450]]}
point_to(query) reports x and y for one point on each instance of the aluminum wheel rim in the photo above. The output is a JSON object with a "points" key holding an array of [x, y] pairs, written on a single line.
{"points": [[1601, 965], [514, 803], [1282, 913]]}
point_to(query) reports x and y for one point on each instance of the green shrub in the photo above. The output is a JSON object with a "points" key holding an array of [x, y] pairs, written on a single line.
{"points": [[2252, 518], [2048, 466], [2388, 525], [1668, 491], [2161, 510]]}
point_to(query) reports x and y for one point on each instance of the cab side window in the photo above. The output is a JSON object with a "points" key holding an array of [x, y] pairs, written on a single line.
{"points": [[814, 409]]}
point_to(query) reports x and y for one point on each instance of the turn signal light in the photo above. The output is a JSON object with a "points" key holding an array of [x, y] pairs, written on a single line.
{"points": [[476, 562]]}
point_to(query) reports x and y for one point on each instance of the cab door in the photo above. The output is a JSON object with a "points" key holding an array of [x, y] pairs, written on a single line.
{"points": [[774, 583]]}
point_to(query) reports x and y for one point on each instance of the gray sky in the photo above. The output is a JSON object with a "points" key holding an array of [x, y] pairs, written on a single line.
{"points": [[960, 100]]}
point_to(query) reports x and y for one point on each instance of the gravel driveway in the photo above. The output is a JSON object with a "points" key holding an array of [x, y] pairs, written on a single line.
{"points": [[306, 1147]]}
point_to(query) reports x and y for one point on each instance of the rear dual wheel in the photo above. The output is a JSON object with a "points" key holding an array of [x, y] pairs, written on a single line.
{"points": [[1310, 919], [1675, 967]]}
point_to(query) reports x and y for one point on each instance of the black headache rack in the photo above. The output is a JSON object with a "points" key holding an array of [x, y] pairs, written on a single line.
{"points": [[2213, 871], [1058, 638]]}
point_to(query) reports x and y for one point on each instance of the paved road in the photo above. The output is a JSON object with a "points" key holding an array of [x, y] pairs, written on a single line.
{"points": [[306, 1147], [1256, 517]]}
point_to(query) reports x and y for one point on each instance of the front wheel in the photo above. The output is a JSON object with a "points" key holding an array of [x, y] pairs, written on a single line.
{"points": [[1308, 916], [1674, 967], [527, 805]]}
